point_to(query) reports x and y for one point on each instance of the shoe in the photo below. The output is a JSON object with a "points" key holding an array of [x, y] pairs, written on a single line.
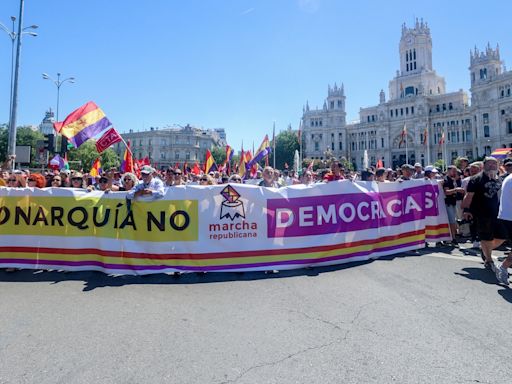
{"points": [[476, 244], [489, 265], [502, 275]]}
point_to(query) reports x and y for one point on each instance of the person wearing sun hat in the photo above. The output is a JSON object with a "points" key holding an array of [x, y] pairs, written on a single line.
{"points": [[151, 188]]}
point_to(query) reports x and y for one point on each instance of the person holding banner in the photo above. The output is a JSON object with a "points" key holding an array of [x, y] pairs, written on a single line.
{"points": [[151, 187]]}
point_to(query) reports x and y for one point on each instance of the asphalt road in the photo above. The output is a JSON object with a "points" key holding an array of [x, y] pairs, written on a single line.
{"points": [[431, 318]]}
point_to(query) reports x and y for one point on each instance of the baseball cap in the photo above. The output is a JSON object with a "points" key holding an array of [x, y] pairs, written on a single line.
{"points": [[147, 170]]}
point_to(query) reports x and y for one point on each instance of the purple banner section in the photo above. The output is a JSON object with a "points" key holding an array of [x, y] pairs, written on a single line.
{"points": [[320, 215]]}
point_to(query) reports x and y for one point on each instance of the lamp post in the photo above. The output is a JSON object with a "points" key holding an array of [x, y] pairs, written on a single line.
{"points": [[58, 83], [15, 37]]}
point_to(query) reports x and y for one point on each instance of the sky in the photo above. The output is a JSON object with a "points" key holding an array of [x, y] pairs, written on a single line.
{"points": [[240, 65]]}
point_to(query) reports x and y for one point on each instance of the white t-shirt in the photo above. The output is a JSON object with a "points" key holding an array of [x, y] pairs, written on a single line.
{"points": [[505, 212]]}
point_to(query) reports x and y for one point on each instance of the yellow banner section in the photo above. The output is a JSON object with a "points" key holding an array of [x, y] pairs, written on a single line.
{"points": [[160, 220]]}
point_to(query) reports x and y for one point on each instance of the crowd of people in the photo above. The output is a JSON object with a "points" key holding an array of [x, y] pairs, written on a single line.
{"points": [[478, 195]]}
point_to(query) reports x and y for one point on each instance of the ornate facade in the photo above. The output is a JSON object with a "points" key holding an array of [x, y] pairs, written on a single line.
{"points": [[418, 100], [170, 145]]}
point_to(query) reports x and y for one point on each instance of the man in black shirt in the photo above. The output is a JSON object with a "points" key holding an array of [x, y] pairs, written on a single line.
{"points": [[481, 203], [451, 187]]}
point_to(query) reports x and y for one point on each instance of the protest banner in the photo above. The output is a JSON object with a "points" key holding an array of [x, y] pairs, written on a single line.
{"points": [[231, 227]]}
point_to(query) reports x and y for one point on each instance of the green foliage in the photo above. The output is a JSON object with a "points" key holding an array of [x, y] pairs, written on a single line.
{"points": [[219, 154], [25, 135], [3, 142], [87, 153], [317, 164], [439, 164], [287, 143]]}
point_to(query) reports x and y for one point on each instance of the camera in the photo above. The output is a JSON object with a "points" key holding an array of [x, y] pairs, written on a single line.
{"points": [[464, 221]]}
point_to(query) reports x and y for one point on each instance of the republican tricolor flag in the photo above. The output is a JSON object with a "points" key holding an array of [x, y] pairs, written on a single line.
{"points": [[127, 163], [209, 164], [96, 168], [83, 124], [262, 151]]}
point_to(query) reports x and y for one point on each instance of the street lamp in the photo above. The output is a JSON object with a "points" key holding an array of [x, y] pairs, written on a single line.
{"points": [[15, 37], [58, 83]]}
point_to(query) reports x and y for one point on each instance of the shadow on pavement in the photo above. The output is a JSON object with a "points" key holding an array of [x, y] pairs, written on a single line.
{"points": [[95, 279]]}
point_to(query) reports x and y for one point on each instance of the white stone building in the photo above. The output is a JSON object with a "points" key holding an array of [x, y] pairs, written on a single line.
{"points": [[170, 145], [418, 100]]}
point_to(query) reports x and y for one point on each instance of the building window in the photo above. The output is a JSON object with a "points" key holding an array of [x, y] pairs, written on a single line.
{"points": [[317, 146], [412, 110], [485, 118], [509, 127], [177, 156], [149, 142], [339, 104], [341, 146], [450, 106], [187, 155], [312, 123], [332, 104], [486, 131], [162, 156], [391, 113]]}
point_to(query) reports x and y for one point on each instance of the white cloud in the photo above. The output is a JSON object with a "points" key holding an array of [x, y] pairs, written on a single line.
{"points": [[310, 6], [247, 11]]}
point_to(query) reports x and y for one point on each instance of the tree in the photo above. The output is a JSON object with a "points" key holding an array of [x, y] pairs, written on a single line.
{"points": [[25, 135], [287, 143], [219, 154], [87, 153]]}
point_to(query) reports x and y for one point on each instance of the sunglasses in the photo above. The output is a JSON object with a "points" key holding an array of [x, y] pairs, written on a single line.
{"points": [[31, 180], [76, 179], [56, 180], [203, 179], [11, 180], [103, 181], [127, 179]]}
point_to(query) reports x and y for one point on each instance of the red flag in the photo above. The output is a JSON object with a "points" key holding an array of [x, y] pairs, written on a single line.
{"points": [[110, 137], [196, 170], [380, 164]]}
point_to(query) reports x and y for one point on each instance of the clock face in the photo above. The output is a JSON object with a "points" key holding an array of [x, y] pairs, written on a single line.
{"points": [[410, 40]]}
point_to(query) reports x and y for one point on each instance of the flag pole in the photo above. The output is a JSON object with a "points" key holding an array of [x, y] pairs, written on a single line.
{"points": [[427, 141], [406, 150], [274, 145], [300, 142]]}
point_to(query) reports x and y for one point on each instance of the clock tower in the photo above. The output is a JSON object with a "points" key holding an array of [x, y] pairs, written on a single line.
{"points": [[416, 75], [415, 49]]}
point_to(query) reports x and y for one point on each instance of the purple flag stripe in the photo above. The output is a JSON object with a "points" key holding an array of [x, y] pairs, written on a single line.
{"points": [[89, 132]]}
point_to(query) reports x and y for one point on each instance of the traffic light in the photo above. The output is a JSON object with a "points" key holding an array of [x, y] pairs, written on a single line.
{"points": [[49, 142], [63, 145]]}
